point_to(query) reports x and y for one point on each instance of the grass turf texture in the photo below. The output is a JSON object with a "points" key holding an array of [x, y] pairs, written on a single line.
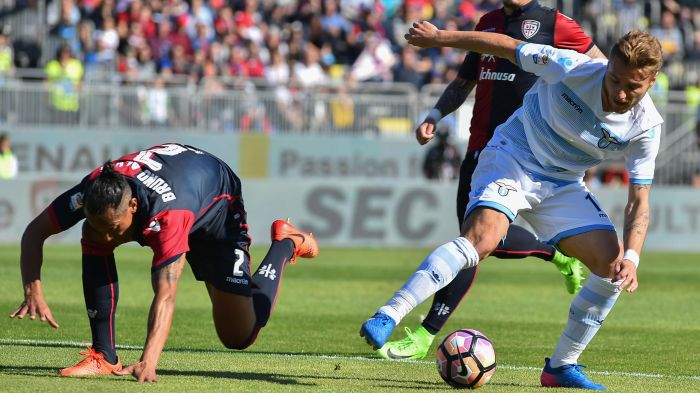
{"points": [[648, 344]]}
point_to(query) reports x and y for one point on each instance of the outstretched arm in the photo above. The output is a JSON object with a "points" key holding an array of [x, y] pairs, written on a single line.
{"points": [[164, 281], [635, 232], [426, 35], [31, 259], [454, 95]]}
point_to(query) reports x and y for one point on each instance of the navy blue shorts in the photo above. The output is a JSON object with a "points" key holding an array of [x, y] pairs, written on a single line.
{"points": [[219, 255]]}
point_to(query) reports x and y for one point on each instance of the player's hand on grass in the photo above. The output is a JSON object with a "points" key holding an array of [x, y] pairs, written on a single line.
{"points": [[627, 273], [422, 34], [34, 304], [142, 371], [425, 131]]}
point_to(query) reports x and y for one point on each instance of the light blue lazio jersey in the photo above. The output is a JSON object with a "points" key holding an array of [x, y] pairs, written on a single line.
{"points": [[561, 130]]}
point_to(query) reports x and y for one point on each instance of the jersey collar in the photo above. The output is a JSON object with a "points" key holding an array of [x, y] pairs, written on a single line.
{"points": [[523, 9], [532, 4]]}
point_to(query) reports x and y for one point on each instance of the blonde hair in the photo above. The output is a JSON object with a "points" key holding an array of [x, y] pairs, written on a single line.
{"points": [[640, 50]]}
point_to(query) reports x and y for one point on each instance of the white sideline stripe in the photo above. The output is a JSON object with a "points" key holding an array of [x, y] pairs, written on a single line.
{"points": [[10, 341]]}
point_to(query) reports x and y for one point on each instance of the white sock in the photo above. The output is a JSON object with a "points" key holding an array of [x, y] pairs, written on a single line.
{"points": [[588, 311], [436, 271]]}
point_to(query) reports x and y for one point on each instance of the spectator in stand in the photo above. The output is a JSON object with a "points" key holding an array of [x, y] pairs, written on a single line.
{"points": [[201, 40], [7, 68], [332, 20], [8, 162], [146, 67], [342, 108], [181, 64], [410, 69], [7, 58], [670, 37], [161, 44], [201, 14], [308, 71], [63, 17], [630, 16], [256, 66], [442, 160], [376, 60], [64, 75], [107, 41], [237, 64], [277, 73], [253, 119], [155, 103]]}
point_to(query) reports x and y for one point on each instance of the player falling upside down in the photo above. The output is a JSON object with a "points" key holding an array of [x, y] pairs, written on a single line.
{"points": [[185, 204], [580, 112], [500, 88]]}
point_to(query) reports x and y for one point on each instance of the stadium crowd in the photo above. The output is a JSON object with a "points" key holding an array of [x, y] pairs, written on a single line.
{"points": [[303, 42]]}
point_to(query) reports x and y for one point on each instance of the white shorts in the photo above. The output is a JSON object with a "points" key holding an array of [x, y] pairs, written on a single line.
{"points": [[555, 208]]}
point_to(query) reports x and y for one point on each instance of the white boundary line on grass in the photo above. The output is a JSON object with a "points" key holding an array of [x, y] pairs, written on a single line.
{"points": [[10, 341]]}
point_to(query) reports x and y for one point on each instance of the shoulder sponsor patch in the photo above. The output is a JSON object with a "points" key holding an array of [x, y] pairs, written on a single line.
{"points": [[76, 201], [538, 58]]}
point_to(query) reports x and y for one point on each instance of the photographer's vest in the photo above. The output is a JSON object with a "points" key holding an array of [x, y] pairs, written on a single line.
{"points": [[6, 165], [64, 84]]}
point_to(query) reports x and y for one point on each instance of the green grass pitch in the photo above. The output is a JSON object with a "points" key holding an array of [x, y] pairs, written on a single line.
{"points": [[649, 343]]}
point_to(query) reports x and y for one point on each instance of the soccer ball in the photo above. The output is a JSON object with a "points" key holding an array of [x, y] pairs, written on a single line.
{"points": [[466, 359]]}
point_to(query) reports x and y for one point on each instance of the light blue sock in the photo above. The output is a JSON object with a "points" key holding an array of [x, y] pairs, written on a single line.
{"points": [[436, 271], [588, 311]]}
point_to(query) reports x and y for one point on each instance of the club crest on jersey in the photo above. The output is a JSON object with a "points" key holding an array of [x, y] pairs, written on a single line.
{"points": [[488, 58], [607, 139], [504, 189], [529, 28]]}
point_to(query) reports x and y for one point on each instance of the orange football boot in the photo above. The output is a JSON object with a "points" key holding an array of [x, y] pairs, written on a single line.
{"points": [[305, 244], [93, 364]]}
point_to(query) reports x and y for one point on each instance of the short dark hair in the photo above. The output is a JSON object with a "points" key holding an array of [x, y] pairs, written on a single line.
{"points": [[3, 136], [105, 191]]}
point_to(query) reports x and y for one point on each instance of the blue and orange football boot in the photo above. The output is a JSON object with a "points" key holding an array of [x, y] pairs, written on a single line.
{"points": [[567, 376], [305, 244], [377, 329]]}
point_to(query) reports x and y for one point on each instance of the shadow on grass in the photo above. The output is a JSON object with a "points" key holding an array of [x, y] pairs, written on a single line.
{"points": [[199, 350], [279, 379], [36, 371], [39, 371], [271, 377]]}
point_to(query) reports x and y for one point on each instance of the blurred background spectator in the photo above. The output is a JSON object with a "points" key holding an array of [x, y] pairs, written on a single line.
{"points": [[8, 162], [363, 38], [64, 75], [7, 55], [443, 159]]}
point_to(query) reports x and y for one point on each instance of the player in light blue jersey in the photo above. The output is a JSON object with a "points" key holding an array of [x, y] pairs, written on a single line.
{"points": [[580, 112]]}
